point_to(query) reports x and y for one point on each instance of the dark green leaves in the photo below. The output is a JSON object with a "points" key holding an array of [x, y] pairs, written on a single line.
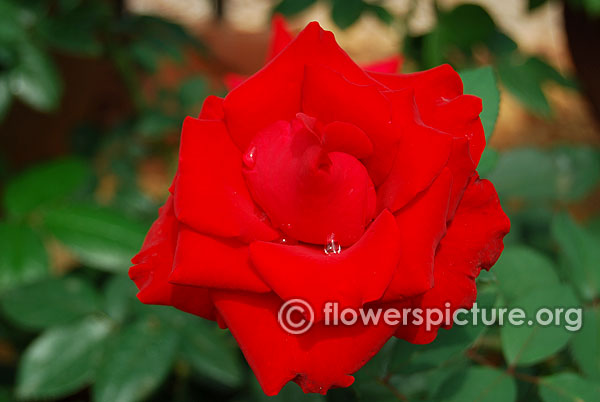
{"points": [[136, 362], [291, 7], [585, 344], [22, 256], [525, 78], [5, 98], [35, 79], [50, 302], [581, 255], [481, 82], [101, 238], [44, 184], [62, 359], [346, 12], [561, 174], [568, 387], [533, 341], [521, 80], [479, 384], [211, 352], [522, 269]]}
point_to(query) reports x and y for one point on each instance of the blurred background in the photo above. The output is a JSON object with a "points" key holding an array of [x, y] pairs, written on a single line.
{"points": [[92, 97]]}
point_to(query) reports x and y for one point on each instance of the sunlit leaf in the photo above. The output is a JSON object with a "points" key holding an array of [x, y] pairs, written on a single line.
{"points": [[35, 80], [62, 360], [136, 362]]}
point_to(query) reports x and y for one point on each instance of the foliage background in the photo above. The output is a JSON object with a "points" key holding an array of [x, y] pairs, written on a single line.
{"points": [[92, 96]]}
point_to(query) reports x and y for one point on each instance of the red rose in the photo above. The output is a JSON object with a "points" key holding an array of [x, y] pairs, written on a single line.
{"points": [[315, 179]]}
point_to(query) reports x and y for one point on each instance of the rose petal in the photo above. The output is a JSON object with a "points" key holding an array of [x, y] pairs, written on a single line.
{"points": [[275, 91], [357, 275], [330, 97], [152, 266], [307, 192], [212, 108], [438, 82], [439, 95], [280, 36], [473, 241], [318, 360], [211, 262], [390, 65], [210, 193], [422, 224], [348, 138]]}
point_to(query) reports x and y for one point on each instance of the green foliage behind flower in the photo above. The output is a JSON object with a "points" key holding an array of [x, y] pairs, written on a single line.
{"points": [[78, 332]]}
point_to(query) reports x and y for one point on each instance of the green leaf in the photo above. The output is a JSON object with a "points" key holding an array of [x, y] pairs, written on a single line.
{"points": [[531, 342], [561, 174], [23, 257], [380, 12], [533, 4], [35, 80], [50, 302], [479, 384], [447, 346], [488, 162], [154, 124], [211, 352], [568, 387], [581, 254], [523, 81], [76, 29], [291, 7], [585, 344], [481, 82], [101, 238], [136, 363], [44, 184], [545, 72], [521, 270], [5, 99], [452, 26], [192, 91], [62, 360], [346, 12], [592, 7], [119, 297], [368, 383]]}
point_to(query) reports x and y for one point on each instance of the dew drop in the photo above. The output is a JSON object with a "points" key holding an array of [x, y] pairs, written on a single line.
{"points": [[249, 157], [332, 246], [288, 241]]}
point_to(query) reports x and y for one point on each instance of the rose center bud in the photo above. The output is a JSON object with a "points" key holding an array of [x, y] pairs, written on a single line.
{"points": [[309, 188]]}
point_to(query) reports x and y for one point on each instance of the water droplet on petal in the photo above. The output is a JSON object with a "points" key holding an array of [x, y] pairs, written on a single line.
{"points": [[249, 157], [332, 246], [288, 241]]}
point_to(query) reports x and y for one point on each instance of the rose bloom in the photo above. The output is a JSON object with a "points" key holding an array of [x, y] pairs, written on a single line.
{"points": [[319, 180]]}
